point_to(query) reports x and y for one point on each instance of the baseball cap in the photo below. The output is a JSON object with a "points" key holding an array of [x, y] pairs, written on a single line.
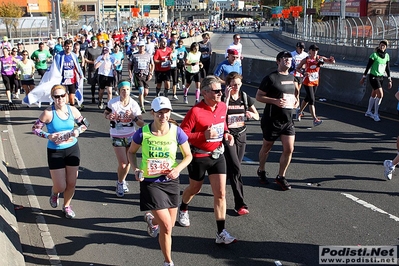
{"points": [[94, 38], [141, 43], [5, 38], [314, 47], [232, 52], [160, 103], [283, 54], [300, 44]]}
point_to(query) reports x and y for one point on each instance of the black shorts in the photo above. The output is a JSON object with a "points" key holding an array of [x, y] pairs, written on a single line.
{"points": [[159, 195], [273, 129], [27, 82], [140, 80], [71, 88], [199, 166], [192, 76], [376, 82], [105, 81], [41, 72], [162, 76], [58, 159]]}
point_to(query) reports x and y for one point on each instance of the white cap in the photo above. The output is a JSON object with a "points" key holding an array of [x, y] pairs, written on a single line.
{"points": [[141, 43], [160, 103]]}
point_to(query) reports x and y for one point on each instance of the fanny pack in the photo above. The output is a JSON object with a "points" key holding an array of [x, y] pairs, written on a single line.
{"points": [[215, 154]]}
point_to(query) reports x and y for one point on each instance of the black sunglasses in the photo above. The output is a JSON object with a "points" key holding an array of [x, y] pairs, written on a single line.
{"points": [[59, 96], [216, 91]]}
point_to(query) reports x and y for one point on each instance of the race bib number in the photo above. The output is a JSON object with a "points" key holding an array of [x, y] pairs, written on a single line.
{"points": [[142, 65], [26, 77], [68, 73], [195, 69], [314, 76], [289, 100], [381, 68], [236, 121], [41, 57], [158, 166], [219, 128], [173, 64], [165, 64]]}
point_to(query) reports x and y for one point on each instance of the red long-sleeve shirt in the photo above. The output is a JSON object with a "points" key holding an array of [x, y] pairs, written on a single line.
{"points": [[198, 120]]}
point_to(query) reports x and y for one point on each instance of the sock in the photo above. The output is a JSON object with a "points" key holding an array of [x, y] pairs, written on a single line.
{"points": [[185, 91], [377, 103], [220, 225], [166, 92], [183, 206], [197, 94], [157, 90], [371, 104]]}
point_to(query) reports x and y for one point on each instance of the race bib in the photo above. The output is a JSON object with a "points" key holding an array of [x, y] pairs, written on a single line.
{"points": [[142, 65], [313, 76], [42, 57], [26, 77], [165, 64], [219, 128], [289, 100], [68, 73], [236, 120], [158, 166], [381, 68]]}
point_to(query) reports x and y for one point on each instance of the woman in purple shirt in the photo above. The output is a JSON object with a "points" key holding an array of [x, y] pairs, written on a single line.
{"points": [[8, 72]]}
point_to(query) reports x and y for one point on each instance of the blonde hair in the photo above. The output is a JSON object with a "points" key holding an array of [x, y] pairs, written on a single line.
{"points": [[59, 87]]}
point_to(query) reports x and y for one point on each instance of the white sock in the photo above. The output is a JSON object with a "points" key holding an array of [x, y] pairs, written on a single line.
{"points": [[377, 105], [371, 104]]}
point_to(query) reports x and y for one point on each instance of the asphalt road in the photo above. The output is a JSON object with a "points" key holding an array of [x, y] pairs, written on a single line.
{"points": [[339, 195]]}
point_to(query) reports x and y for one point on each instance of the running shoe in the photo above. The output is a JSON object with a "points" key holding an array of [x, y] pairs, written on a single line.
{"points": [[101, 105], [69, 213], [184, 218], [376, 118], [262, 177], [225, 238], [282, 182], [143, 110], [152, 230], [388, 169], [185, 100], [120, 192], [168, 263], [242, 211], [369, 114], [125, 186], [197, 101], [317, 122], [175, 97], [54, 200]]}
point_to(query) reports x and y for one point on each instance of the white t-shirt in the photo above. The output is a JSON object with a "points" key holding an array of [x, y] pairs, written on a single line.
{"points": [[123, 127], [296, 59], [51, 43], [107, 66], [237, 47]]}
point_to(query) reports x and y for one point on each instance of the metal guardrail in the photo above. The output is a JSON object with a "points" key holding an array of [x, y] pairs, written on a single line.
{"points": [[358, 32]]}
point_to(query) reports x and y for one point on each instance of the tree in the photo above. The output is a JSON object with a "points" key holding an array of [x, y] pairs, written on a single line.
{"points": [[9, 14], [69, 13]]}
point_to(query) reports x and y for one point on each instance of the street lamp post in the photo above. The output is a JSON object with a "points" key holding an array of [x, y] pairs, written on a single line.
{"points": [[117, 14]]}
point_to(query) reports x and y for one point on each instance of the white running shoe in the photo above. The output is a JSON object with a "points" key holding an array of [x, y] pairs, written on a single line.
{"points": [[376, 118], [152, 230], [185, 100], [175, 98], [388, 169], [225, 238], [125, 186], [184, 218], [119, 190], [369, 114]]}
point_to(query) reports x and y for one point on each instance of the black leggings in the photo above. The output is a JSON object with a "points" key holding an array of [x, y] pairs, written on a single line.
{"points": [[9, 81], [310, 94]]}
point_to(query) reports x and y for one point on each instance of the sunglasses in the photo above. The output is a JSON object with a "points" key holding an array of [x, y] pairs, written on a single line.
{"points": [[14, 51], [59, 96], [24, 54], [216, 91]]}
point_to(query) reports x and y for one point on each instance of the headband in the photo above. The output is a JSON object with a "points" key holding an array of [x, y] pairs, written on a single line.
{"points": [[124, 83]]}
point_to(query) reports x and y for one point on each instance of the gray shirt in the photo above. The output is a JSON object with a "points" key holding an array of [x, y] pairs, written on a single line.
{"points": [[141, 63]]}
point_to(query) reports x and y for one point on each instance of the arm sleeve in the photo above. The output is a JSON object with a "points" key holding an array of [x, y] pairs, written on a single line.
{"points": [[369, 64], [37, 129], [388, 70]]}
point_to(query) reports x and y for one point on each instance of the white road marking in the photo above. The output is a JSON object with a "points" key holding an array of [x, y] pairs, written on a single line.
{"points": [[370, 206], [34, 203]]}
